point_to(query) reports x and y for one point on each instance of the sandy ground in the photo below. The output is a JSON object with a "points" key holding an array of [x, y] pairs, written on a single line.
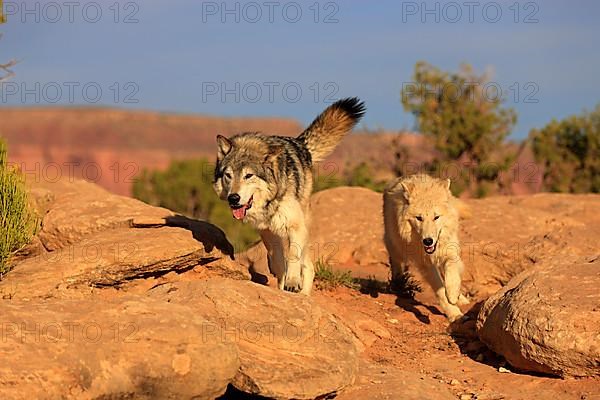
{"points": [[422, 348]]}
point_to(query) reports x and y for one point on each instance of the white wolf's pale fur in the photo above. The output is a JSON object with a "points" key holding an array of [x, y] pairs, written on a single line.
{"points": [[419, 207]]}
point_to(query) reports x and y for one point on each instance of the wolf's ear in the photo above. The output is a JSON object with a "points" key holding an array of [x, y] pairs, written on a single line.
{"points": [[406, 188], [224, 146], [273, 154], [271, 161]]}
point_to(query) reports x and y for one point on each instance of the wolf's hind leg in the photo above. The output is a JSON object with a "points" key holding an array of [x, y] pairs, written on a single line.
{"points": [[451, 311], [398, 258], [275, 256]]}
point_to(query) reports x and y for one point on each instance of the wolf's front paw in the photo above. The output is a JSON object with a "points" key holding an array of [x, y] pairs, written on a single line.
{"points": [[293, 283], [454, 316]]}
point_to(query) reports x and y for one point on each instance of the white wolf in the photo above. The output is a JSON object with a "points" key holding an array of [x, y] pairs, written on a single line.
{"points": [[421, 228]]}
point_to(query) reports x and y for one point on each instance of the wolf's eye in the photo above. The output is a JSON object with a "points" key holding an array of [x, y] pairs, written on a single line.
{"points": [[419, 218], [227, 175], [436, 217], [248, 176]]}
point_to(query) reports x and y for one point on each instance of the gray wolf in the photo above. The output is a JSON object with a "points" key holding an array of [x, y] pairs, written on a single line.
{"points": [[267, 181], [421, 228]]}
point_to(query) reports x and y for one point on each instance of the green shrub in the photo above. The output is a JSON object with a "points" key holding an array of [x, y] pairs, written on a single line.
{"points": [[326, 278], [186, 187], [569, 150], [467, 122], [17, 221]]}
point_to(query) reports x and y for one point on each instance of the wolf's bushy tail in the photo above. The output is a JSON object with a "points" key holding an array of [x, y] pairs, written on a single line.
{"points": [[329, 128]]}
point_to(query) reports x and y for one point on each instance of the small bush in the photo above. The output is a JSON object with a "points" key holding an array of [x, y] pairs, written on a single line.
{"points": [[326, 278], [570, 153], [17, 221], [467, 124]]}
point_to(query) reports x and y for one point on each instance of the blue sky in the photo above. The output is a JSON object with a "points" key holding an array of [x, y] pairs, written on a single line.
{"points": [[198, 57]]}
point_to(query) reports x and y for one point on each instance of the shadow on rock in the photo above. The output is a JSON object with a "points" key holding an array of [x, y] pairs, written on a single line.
{"points": [[208, 234]]}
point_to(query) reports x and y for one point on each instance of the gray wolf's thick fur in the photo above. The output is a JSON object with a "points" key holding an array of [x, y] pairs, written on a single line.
{"points": [[421, 228], [268, 180]]}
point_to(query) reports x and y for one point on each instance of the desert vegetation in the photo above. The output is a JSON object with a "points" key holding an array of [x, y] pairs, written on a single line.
{"points": [[327, 278], [569, 151], [469, 127], [17, 219], [466, 123]]}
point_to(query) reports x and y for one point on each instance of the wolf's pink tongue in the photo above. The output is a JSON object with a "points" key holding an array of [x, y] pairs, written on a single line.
{"points": [[239, 213]]}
